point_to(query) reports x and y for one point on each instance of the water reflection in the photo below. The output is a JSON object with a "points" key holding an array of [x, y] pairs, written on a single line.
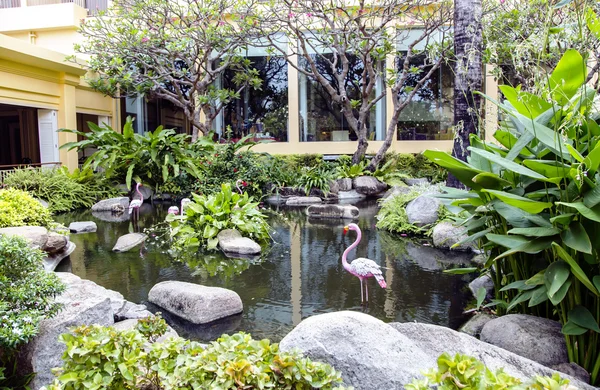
{"points": [[299, 276]]}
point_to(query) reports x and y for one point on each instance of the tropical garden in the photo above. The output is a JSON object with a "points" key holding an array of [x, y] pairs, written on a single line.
{"points": [[527, 196]]}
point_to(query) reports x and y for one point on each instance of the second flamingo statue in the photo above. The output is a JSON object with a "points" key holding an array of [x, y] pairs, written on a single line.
{"points": [[362, 268], [134, 206]]}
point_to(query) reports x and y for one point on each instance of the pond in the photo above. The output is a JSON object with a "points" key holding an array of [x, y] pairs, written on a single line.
{"points": [[300, 275]]}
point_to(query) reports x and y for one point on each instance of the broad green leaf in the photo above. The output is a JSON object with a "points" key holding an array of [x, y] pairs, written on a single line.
{"points": [[481, 294], [506, 241], [563, 219], [575, 237], [593, 22], [524, 102], [581, 316], [575, 268], [537, 279], [461, 170], [505, 163], [596, 281], [589, 213], [568, 75], [518, 285], [561, 293], [575, 153], [128, 176], [535, 246], [535, 231], [508, 140], [539, 295], [548, 168], [555, 276], [460, 271], [525, 204], [592, 197], [522, 297], [490, 180], [571, 329]]}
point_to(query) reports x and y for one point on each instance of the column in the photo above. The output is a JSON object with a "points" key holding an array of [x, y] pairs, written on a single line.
{"points": [[67, 119]]}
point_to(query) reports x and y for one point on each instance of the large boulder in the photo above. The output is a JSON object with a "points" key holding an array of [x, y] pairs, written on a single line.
{"points": [[535, 338], [83, 227], [302, 200], [86, 289], [423, 210], [332, 211], [485, 282], [231, 241], [110, 216], [129, 241], [334, 187], [37, 236], [446, 234], [195, 303], [350, 195], [344, 184], [369, 353], [55, 243], [474, 325], [112, 204], [52, 261], [368, 185], [395, 191]]}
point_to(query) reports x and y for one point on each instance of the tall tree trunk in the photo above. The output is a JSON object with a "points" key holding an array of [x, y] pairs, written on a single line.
{"points": [[468, 76]]}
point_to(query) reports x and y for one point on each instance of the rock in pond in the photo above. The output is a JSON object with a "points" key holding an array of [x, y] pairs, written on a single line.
{"points": [[112, 204], [416, 181], [350, 195], [368, 185], [423, 210], [52, 261], [55, 243], [474, 325], [395, 191], [535, 338], [445, 235], [110, 216], [195, 303], [374, 355], [37, 236], [344, 184], [302, 200], [83, 227], [129, 241], [334, 187], [231, 241], [484, 281], [332, 211]]}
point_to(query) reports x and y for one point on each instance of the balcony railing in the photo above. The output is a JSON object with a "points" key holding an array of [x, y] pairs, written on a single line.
{"points": [[93, 6]]}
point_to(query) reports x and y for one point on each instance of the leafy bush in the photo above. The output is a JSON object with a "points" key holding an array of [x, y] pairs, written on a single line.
{"points": [[105, 358], [62, 190], [414, 165], [207, 215], [534, 205], [317, 177], [352, 171], [466, 372], [18, 208], [152, 158], [26, 298]]}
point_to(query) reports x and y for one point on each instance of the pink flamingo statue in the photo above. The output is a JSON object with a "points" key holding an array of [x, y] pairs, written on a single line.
{"points": [[362, 268], [237, 185], [136, 203], [173, 210], [184, 203]]}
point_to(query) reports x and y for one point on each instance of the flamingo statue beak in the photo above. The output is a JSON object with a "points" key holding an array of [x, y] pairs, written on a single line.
{"points": [[346, 228]]}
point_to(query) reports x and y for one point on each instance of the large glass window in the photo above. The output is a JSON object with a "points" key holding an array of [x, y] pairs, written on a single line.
{"points": [[429, 116], [320, 118], [262, 112]]}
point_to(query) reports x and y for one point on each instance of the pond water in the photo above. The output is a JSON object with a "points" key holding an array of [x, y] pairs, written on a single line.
{"points": [[300, 275]]}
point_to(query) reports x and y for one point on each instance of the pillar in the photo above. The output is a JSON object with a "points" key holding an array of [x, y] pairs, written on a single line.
{"points": [[67, 119]]}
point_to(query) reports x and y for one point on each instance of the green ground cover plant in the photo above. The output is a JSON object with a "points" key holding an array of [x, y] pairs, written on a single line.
{"points": [[19, 208], [27, 294], [105, 358], [62, 190], [534, 205]]}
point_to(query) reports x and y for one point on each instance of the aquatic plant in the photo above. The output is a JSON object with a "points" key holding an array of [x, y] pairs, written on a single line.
{"points": [[19, 208]]}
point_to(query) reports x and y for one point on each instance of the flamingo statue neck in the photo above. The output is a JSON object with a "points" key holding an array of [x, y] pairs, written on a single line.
{"points": [[137, 189], [354, 227], [237, 185]]}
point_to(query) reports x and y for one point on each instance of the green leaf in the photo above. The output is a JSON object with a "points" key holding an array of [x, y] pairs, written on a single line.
{"points": [[571, 329], [518, 285], [593, 22], [510, 165], [561, 293], [481, 294], [589, 213], [524, 102], [568, 75], [531, 247], [535, 231], [525, 204], [490, 180], [506, 241], [549, 168], [575, 237], [539, 295], [575, 268], [461, 170], [522, 297], [460, 271], [581, 316], [555, 276], [592, 197], [563, 219], [128, 176], [596, 281]]}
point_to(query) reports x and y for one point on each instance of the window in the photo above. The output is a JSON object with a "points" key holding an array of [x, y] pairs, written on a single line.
{"points": [[262, 112]]}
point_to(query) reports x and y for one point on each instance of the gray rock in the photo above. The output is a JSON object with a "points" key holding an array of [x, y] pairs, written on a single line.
{"points": [[291, 191], [147, 192], [484, 281], [535, 338], [445, 235], [83, 227], [55, 243], [332, 211], [86, 289], [231, 241], [423, 210], [434, 340], [132, 311], [44, 352], [480, 259], [42, 202], [574, 370], [350, 195], [275, 200], [129, 241], [109, 216], [130, 324], [369, 353], [109, 204], [37, 236], [416, 181], [368, 185], [302, 200], [395, 191], [334, 187], [51, 262], [344, 184], [195, 303], [474, 325]]}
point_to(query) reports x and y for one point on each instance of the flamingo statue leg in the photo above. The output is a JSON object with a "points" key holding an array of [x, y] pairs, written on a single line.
{"points": [[361, 290], [367, 292]]}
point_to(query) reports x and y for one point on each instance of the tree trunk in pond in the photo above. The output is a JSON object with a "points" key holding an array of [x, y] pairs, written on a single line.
{"points": [[468, 76]]}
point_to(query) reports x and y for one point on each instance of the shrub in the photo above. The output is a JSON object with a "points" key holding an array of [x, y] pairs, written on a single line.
{"points": [[64, 191], [317, 177], [207, 215], [18, 208], [99, 357], [26, 298], [414, 165]]}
